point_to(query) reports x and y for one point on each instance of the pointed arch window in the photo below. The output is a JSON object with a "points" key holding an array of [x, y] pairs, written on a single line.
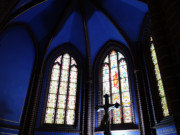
{"points": [[115, 82], [159, 79], [62, 91]]}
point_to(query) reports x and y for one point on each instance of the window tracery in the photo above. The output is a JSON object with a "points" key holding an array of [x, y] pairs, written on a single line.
{"points": [[61, 102], [115, 82]]}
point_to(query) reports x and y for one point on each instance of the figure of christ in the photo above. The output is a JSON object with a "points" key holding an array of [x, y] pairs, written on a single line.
{"points": [[107, 108]]}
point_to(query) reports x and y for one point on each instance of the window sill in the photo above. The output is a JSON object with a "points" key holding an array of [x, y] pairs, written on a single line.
{"points": [[115, 131], [167, 121]]}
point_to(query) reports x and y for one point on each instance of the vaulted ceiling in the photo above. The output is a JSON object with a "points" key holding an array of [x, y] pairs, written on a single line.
{"points": [[81, 22]]}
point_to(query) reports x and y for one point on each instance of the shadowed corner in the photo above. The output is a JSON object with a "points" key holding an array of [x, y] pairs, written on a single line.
{"points": [[5, 110]]}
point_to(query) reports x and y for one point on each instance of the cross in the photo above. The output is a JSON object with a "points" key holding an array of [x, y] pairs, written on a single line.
{"points": [[107, 107]]}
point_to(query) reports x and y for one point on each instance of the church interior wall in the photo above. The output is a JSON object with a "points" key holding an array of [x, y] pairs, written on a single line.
{"points": [[17, 47], [88, 26]]}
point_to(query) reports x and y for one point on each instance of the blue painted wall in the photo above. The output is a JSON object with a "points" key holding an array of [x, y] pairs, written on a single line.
{"points": [[8, 131], [17, 55], [54, 133], [128, 14], [72, 32], [17, 46], [101, 30]]}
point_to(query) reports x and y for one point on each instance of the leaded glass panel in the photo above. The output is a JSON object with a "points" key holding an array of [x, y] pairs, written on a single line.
{"points": [[73, 62], [159, 80], [70, 117], [53, 87], [51, 100], [115, 83], [62, 91], [63, 88], [127, 114], [117, 116], [58, 59], [62, 101], [72, 88], [106, 60], [126, 99], [60, 116], [49, 118]]}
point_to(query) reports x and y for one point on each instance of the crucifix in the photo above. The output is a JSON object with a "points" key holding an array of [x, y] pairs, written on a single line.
{"points": [[107, 107]]}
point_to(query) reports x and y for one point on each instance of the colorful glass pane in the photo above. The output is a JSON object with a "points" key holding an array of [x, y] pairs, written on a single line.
{"points": [[66, 56], [72, 88], [64, 76], [164, 106], [126, 99], [73, 77], [60, 116], [58, 59], [151, 39], [120, 56], [115, 98], [73, 62], [113, 53], [70, 117], [65, 64], [123, 71], [154, 57], [53, 87], [56, 66], [63, 88], [159, 81], [74, 69], [113, 61], [49, 117], [106, 60], [71, 102], [115, 86], [122, 63], [158, 76], [106, 88], [51, 100], [124, 85], [106, 73], [161, 89], [114, 74], [117, 89], [116, 116], [61, 101], [55, 74], [127, 114]]}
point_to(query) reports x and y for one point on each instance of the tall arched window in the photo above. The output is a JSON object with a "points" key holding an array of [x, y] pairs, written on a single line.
{"points": [[115, 82], [158, 79], [61, 103]]}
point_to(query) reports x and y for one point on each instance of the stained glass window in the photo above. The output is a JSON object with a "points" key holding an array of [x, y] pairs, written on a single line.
{"points": [[115, 82], [61, 103], [159, 80]]}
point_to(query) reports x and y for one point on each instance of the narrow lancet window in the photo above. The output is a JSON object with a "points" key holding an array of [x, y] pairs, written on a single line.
{"points": [[61, 102], [115, 83], [159, 80]]}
